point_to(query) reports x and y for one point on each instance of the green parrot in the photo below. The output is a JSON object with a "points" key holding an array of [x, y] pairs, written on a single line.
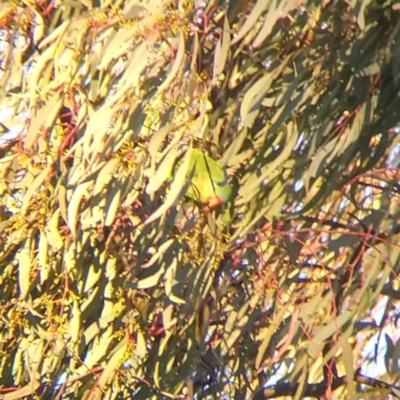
{"points": [[209, 184]]}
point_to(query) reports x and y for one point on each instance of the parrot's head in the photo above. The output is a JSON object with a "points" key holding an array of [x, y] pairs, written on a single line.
{"points": [[222, 192], [214, 201]]}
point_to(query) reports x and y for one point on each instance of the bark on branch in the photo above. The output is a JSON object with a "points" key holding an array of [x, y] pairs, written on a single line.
{"points": [[319, 389]]}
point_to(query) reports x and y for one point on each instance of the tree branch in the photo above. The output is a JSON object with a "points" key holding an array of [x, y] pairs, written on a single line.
{"points": [[319, 389]]}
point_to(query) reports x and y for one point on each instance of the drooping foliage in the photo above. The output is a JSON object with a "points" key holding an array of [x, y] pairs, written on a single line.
{"points": [[114, 284]]}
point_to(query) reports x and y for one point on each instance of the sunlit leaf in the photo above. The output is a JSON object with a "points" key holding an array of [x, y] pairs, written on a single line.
{"points": [[25, 259]]}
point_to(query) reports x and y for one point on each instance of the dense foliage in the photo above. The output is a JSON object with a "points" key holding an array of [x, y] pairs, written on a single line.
{"points": [[116, 285]]}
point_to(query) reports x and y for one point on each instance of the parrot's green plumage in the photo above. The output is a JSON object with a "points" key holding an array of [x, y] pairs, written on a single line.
{"points": [[209, 184]]}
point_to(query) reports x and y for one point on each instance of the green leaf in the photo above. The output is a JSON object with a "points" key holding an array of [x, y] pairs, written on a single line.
{"points": [[324, 332], [276, 10], [178, 184], [53, 237], [74, 205], [42, 255], [163, 172], [33, 188], [114, 363], [105, 175], [251, 19], [347, 358], [112, 203], [74, 328], [43, 119], [25, 258], [170, 281], [176, 66], [250, 107], [221, 51]]}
